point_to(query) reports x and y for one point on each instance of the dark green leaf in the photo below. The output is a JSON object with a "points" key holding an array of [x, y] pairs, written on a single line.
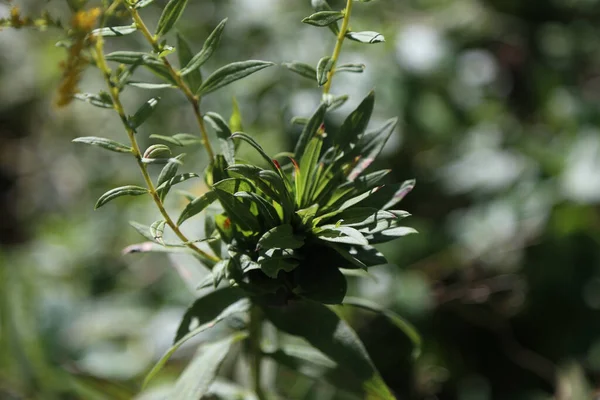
{"points": [[231, 73], [142, 230], [184, 53], [102, 100], [274, 260], [323, 67], [104, 143], [114, 30], [142, 3], [265, 212], [118, 192], [157, 151], [355, 124], [325, 331], [310, 129], [405, 326], [335, 102], [308, 164], [238, 211], [179, 139], [196, 206], [302, 69], [323, 18], [320, 280], [170, 15], [210, 45], [281, 236], [246, 138], [195, 380], [341, 234], [167, 173], [370, 145], [127, 57], [177, 179], [223, 134], [143, 113], [366, 37], [391, 234]]}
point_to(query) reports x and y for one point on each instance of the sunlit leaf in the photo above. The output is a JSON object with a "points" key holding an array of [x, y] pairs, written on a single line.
{"points": [[170, 15], [112, 194], [231, 73], [210, 45], [103, 143]]}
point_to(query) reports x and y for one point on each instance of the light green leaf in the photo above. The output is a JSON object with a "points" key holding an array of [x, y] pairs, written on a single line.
{"points": [[302, 69], [167, 173], [341, 234], [335, 102], [151, 86], [366, 37], [323, 68], [157, 230], [246, 138], [210, 45], [143, 113], [103, 143], [310, 129], [325, 331], [177, 179], [118, 192], [179, 139], [240, 306], [157, 151], [170, 15], [196, 206], [114, 30], [402, 324], [231, 73], [323, 18], [357, 68], [235, 121], [197, 377], [142, 3]]}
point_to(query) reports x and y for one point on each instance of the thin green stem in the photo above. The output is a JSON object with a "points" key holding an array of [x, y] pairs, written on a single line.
{"points": [[255, 351], [118, 106], [189, 94], [338, 45]]}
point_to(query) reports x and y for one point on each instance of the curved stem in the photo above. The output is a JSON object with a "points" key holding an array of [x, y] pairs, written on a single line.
{"points": [[191, 97], [338, 45], [118, 106]]}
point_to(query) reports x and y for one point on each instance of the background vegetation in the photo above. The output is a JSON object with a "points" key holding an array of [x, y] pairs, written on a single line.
{"points": [[500, 108]]}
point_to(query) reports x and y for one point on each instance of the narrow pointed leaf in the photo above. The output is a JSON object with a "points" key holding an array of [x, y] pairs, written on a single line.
{"points": [[246, 138], [357, 68], [193, 77], [355, 124], [167, 173], [170, 15], [210, 45], [150, 86], [143, 113], [325, 331], [104, 143], [223, 134], [196, 206], [366, 37], [114, 30], [310, 129], [323, 18], [197, 377], [101, 100], [302, 69], [157, 230], [281, 236], [231, 73], [118, 192]]}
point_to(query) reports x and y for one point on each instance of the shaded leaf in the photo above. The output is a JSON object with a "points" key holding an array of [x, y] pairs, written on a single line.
{"points": [[167, 173], [179, 139], [210, 45], [323, 68], [170, 15], [196, 206], [112, 194], [102, 100], [194, 77], [223, 134], [114, 30], [231, 73], [281, 236], [302, 69], [103, 143], [310, 129], [143, 113]]}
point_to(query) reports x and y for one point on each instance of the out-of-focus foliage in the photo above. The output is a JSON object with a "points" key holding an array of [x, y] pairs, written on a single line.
{"points": [[499, 111]]}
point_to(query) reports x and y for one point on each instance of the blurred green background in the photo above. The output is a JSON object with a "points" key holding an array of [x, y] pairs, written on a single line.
{"points": [[499, 103]]}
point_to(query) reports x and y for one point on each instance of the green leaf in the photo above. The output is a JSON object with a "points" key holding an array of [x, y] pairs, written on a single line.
{"points": [[167, 173], [323, 18], [323, 67], [235, 121], [157, 230], [143, 113], [151, 86], [302, 69], [102, 100], [359, 217], [335, 102], [179, 139], [357, 68], [355, 124], [274, 260], [127, 57], [310, 129], [239, 306], [223, 134], [184, 53], [197, 377], [265, 212], [246, 138], [239, 211], [281, 236], [118, 192], [231, 73], [370, 145], [177, 179], [170, 15], [114, 30], [210, 45], [308, 164], [157, 151], [325, 331], [341, 234], [104, 143], [366, 37], [142, 3], [391, 234], [142, 230], [402, 324], [208, 307], [196, 206]]}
